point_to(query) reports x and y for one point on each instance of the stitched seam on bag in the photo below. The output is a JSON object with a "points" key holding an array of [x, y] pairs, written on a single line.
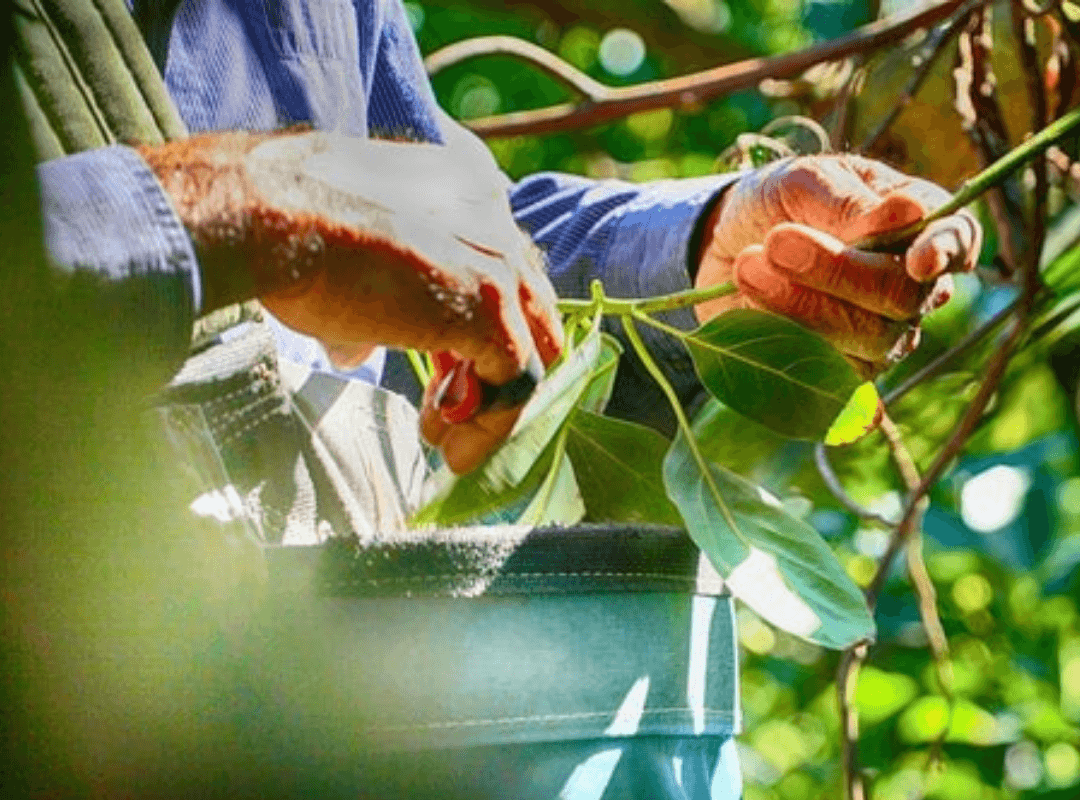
{"points": [[582, 715], [224, 419], [213, 401], [253, 424], [358, 582]]}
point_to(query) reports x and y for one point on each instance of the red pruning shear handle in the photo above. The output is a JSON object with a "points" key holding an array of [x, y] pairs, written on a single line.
{"points": [[461, 394]]}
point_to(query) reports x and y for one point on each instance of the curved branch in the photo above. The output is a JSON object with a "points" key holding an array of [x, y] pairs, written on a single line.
{"points": [[527, 51], [836, 488], [698, 87]]}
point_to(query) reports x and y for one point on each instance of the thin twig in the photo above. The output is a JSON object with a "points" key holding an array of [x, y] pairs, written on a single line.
{"points": [[844, 105], [937, 42], [925, 594], [938, 364], [699, 87], [1024, 33], [836, 488], [967, 424], [920, 578], [526, 51], [847, 682]]}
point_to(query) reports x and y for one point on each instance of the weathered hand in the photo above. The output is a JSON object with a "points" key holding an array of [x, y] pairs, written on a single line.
{"points": [[781, 234], [361, 243]]}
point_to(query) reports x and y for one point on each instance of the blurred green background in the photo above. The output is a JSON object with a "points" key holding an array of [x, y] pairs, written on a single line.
{"points": [[1003, 531]]}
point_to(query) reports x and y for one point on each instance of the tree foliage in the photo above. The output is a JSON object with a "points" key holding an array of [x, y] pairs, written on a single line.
{"points": [[958, 521]]}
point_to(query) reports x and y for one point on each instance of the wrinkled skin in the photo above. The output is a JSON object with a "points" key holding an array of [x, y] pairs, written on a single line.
{"points": [[781, 234], [362, 243]]}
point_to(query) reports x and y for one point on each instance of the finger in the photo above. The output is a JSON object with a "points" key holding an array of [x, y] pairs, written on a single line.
{"points": [[951, 244], [891, 213], [939, 295], [831, 195], [464, 445], [875, 282], [852, 330], [467, 445]]}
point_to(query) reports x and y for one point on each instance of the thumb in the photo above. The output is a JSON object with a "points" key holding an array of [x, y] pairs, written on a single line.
{"points": [[893, 212]]}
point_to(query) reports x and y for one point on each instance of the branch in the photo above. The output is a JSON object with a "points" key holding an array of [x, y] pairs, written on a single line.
{"points": [[943, 360], [836, 488], [925, 593], [1024, 32], [526, 51], [615, 103], [964, 428], [847, 681], [984, 123]]}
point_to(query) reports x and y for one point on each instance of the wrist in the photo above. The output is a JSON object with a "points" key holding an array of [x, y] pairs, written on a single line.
{"points": [[704, 231]]}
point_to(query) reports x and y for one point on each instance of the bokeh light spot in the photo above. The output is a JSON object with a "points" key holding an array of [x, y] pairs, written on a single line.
{"points": [[622, 51], [994, 498], [1023, 767], [1062, 765], [972, 593]]}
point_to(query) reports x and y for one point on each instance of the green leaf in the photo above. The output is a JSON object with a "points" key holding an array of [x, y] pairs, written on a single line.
{"points": [[860, 416], [773, 562], [558, 501], [742, 445], [619, 469], [472, 499], [506, 481], [1062, 275], [598, 390], [773, 371]]}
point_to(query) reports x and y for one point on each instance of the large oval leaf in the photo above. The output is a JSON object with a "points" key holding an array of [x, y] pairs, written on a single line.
{"points": [[773, 371], [773, 562], [619, 468]]}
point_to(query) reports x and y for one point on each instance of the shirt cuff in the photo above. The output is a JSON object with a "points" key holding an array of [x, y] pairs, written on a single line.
{"points": [[104, 210], [110, 224]]}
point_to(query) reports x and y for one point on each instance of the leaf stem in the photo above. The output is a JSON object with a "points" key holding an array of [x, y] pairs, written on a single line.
{"points": [[419, 365], [668, 302], [976, 185], [547, 488], [627, 321]]}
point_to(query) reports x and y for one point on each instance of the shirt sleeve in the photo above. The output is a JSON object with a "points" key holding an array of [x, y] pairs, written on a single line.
{"points": [[120, 248], [637, 239]]}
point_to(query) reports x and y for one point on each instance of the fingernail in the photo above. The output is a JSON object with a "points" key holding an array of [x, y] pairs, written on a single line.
{"points": [[792, 251], [907, 343], [939, 295], [938, 255]]}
